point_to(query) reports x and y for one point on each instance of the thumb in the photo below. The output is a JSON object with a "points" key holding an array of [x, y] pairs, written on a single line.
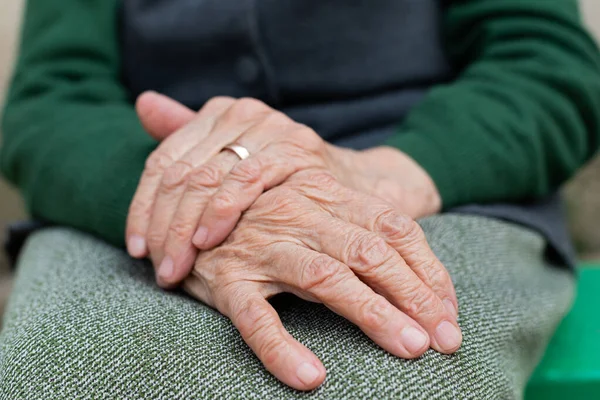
{"points": [[160, 115]]}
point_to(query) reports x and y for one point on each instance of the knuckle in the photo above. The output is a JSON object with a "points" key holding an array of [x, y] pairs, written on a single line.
{"points": [[421, 301], [277, 118], [435, 274], [176, 175], [223, 203], [248, 107], [374, 314], [155, 239], [368, 252], [217, 103], [272, 348], [207, 176], [181, 230], [413, 233], [254, 320], [440, 278], [249, 315], [319, 272], [249, 171], [398, 225], [157, 162], [309, 139]]}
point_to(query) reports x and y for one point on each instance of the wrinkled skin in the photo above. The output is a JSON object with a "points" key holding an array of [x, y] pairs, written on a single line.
{"points": [[328, 244], [299, 215], [201, 192]]}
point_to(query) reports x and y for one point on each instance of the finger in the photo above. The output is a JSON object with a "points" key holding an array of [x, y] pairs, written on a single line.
{"points": [[405, 235], [401, 232], [335, 285], [229, 125], [264, 169], [374, 215], [260, 327], [180, 253], [170, 150], [377, 264], [160, 115]]}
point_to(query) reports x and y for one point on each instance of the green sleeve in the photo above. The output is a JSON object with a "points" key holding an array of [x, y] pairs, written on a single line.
{"points": [[71, 139], [524, 111]]}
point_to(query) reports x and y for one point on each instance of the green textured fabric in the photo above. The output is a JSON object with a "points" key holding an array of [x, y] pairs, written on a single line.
{"points": [[524, 112], [87, 322], [520, 118], [72, 141]]}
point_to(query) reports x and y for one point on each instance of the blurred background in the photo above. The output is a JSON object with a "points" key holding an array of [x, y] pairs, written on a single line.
{"points": [[582, 193]]}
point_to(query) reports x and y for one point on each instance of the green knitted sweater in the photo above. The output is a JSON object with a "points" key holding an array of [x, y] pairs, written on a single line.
{"points": [[522, 115]]}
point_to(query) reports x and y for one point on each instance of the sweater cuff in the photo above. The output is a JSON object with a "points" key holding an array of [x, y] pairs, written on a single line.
{"points": [[446, 164]]}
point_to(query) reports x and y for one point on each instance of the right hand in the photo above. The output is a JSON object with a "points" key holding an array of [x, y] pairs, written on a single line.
{"points": [[326, 243]]}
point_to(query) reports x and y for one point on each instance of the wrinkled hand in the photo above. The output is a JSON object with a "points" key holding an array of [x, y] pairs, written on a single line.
{"points": [[326, 243], [191, 194]]}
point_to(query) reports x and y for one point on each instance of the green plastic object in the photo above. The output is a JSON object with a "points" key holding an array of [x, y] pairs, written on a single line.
{"points": [[570, 368]]}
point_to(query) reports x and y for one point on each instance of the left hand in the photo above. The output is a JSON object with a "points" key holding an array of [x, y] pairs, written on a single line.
{"points": [[191, 189], [326, 243]]}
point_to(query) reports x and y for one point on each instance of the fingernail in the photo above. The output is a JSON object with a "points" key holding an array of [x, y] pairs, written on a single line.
{"points": [[200, 236], [165, 270], [413, 339], [136, 245], [307, 373], [450, 307], [448, 336]]}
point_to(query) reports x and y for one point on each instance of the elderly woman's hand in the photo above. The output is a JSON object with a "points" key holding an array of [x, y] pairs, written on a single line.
{"points": [[313, 237], [191, 189]]}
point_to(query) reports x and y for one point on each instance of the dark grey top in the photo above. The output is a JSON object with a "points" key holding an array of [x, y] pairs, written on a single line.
{"points": [[351, 70]]}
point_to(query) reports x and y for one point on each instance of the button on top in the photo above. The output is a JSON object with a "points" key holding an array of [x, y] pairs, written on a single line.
{"points": [[248, 69]]}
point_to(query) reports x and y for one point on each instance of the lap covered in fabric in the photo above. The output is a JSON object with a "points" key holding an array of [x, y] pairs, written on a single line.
{"points": [[86, 321]]}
